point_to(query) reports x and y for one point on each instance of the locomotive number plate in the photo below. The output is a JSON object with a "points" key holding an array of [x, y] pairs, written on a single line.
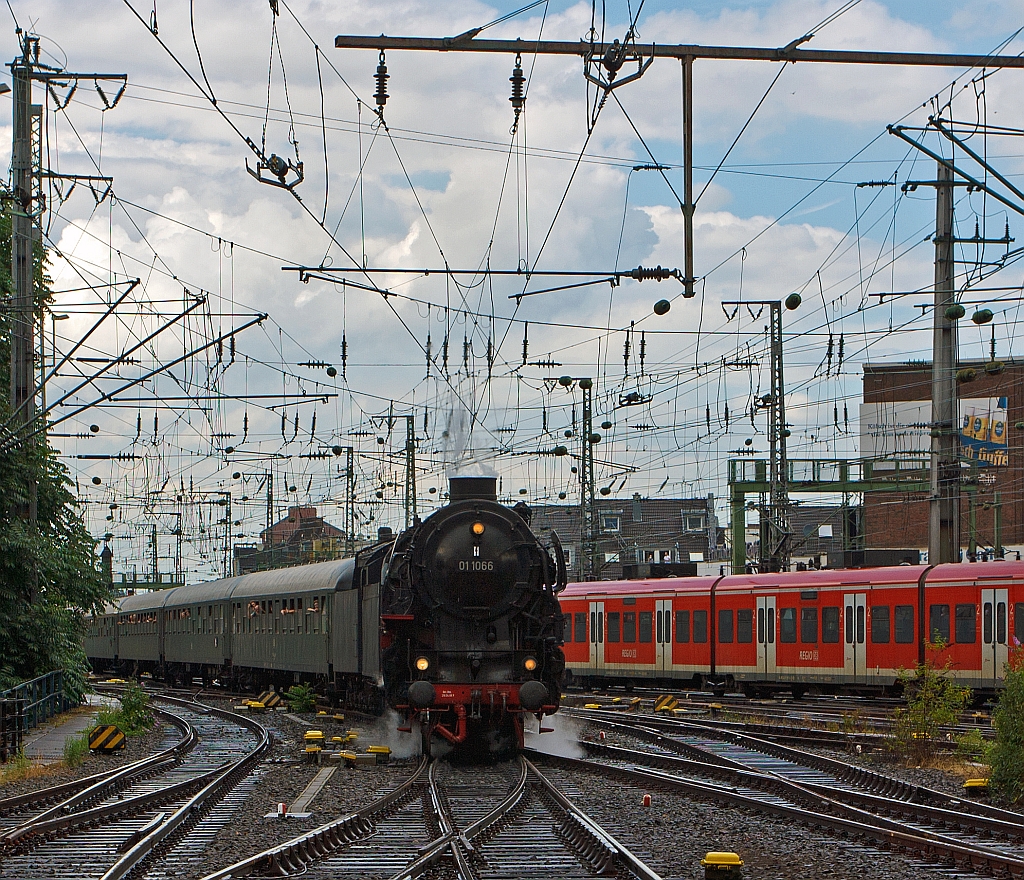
{"points": [[475, 565]]}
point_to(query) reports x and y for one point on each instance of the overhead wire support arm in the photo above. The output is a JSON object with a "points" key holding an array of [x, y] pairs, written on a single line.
{"points": [[582, 49]]}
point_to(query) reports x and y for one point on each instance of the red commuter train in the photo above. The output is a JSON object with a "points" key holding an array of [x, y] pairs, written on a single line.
{"points": [[844, 629]]}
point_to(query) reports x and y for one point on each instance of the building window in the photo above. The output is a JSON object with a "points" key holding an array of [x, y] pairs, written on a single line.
{"points": [[611, 557], [966, 626], [880, 624], [610, 523], [693, 522], [904, 624]]}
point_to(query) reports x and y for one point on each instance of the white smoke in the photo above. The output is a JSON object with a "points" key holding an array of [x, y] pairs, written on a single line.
{"points": [[562, 741], [460, 458], [402, 745]]}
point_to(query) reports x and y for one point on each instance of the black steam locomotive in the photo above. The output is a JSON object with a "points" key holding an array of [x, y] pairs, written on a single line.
{"points": [[456, 625], [471, 629]]}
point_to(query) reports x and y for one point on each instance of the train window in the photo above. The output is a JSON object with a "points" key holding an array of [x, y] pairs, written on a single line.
{"points": [[904, 625], [809, 626], [646, 618], [593, 626], [1001, 623], [299, 615], [581, 627], [725, 626], [745, 626], [682, 627], [700, 627], [849, 624], [567, 627], [787, 625], [986, 623], [613, 626], [830, 625], [880, 624], [1018, 621], [760, 626], [966, 624], [668, 627], [860, 624], [770, 628], [938, 623], [629, 626]]}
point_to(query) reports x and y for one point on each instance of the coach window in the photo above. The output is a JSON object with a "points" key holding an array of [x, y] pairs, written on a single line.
{"points": [[809, 626], [566, 627], [938, 623], [629, 627], [682, 627], [646, 622], [700, 627], [904, 625], [880, 624], [830, 625], [300, 616], [1001, 623], [966, 624], [1018, 621], [725, 626], [581, 627], [787, 625], [614, 630], [745, 626]]}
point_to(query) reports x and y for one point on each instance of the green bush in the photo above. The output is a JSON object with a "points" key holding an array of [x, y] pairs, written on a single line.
{"points": [[300, 698], [1007, 753], [76, 748], [971, 746], [934, 699], [133, 716]]}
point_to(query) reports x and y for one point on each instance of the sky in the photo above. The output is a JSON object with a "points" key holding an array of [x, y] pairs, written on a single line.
{"points": [[443, 181]]}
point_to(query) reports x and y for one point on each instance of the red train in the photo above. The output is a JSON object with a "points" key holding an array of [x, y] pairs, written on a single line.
{"points": [[852, 629]]}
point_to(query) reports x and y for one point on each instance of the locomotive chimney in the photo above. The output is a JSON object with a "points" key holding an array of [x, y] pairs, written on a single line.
{"points": [[463, 488]]}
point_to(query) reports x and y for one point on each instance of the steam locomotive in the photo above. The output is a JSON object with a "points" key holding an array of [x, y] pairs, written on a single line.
{"points": [[456, 625]]}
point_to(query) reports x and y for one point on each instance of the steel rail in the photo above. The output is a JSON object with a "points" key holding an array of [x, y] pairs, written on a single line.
{"points": [[294, 855], [935, 847], [603, 849], [66, 789], [194, 809]]}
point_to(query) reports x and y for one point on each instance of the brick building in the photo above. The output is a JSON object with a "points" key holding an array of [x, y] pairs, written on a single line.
{"points": [[992, 452], [638, 530]]}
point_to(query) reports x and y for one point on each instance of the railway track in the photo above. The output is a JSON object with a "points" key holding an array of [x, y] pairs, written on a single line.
{"points": [[469, 823], [113, 823], [818, 792]]}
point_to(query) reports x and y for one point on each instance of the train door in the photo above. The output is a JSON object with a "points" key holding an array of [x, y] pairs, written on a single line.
{"points": [[855, 627], [994, 652], [596, 630], [766, 636], [663, 635]]}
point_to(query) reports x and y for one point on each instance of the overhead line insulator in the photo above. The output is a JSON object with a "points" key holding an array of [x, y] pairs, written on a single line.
{"points": [[381, 76]]}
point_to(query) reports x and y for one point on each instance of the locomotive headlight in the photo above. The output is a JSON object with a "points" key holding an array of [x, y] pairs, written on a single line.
{"points": [[422, 663], [530, 663], [478, 528]]}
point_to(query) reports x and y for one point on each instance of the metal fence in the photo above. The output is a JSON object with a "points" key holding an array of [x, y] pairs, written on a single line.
{"points": [[28, 705]]}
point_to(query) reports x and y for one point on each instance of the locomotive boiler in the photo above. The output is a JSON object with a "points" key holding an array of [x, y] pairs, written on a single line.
{"points": [[471, 628]]}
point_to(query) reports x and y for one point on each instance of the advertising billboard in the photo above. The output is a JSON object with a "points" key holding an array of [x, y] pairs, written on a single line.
{"points": [[902, 429]]}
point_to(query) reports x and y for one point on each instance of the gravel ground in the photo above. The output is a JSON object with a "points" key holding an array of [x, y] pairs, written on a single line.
{"points": [[674, 833], [282, 778], [161, 736]]}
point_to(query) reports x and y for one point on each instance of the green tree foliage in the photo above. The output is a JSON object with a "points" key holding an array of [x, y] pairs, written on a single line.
{"points": [[934, 699], [133, 715], [48, 576], [301, 698], [1007, 753]]}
